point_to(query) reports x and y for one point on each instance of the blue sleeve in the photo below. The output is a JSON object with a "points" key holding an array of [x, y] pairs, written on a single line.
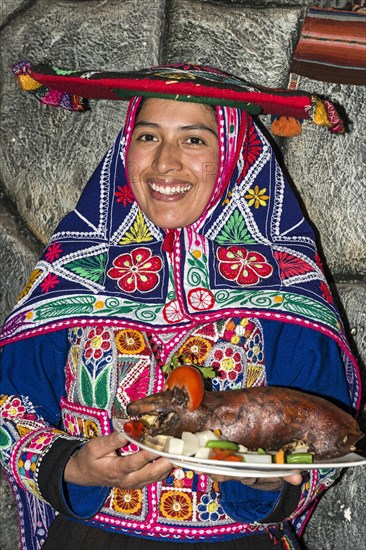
{"points": [[35, 368], [303, 359]]}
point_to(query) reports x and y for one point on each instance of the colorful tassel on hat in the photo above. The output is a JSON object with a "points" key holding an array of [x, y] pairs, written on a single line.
{"points": [[28, 83], [336, 123], [286, 126], [320, 116]]}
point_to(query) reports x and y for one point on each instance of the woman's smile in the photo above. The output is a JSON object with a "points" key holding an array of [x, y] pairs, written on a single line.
{"points": [[168, 189], [172, 161]]}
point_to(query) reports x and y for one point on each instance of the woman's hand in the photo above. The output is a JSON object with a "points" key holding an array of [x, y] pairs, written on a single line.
{"points": [[97, 463], [265, 483]]}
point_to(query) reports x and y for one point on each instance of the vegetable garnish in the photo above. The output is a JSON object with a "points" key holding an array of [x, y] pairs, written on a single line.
{"points": [[222, 444], [134, 428], [189, 378], [299, 458]]}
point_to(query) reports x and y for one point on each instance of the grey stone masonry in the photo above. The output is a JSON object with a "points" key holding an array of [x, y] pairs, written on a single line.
{"points": [[47, 155]]}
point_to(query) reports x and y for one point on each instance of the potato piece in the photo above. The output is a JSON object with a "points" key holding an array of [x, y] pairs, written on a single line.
{"points": [[191, 443], [174, 446]]}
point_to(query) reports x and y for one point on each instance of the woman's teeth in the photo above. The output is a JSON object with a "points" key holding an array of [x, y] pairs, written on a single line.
{"points": [[167, 190]]}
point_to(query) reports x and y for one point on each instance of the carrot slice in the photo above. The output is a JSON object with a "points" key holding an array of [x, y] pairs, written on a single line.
{"points": [[280, 457]]}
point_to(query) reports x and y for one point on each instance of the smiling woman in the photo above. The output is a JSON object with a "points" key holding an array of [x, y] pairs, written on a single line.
{"points": [[172, 161], [187, 253]]}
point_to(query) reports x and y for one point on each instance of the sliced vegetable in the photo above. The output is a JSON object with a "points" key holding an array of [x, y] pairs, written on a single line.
{"points": [[221, 444], [299, 458], [204, 453], [205, 436], [174, 446], [191, 443], [257, 459], [225, 454], [189, 378], [280, 457], [134, 428]]}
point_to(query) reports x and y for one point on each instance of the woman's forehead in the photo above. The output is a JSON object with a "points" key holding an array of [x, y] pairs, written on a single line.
{"points": [[161, 108]]}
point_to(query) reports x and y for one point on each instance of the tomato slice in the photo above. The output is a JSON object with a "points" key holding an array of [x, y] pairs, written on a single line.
{"points": [[134, 428], [189, 378]]}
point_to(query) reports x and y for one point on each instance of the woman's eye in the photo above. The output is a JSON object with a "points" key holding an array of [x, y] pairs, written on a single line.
{"points": [[195, 141], [146, 137]]}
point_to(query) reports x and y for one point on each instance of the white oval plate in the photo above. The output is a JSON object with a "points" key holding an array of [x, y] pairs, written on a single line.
{"points": [[347, 461]]}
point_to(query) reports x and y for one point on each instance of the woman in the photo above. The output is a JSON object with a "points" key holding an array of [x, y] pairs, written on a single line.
{"points": [[187, 241]]}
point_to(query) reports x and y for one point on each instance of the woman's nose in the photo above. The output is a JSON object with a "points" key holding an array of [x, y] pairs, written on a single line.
{"points": [[167, 158]]}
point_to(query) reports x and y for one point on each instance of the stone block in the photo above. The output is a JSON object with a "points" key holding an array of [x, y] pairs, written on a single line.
{"points": [[339, 4], [8, 516], [48, 154], [18, 255], [255, 44], [329, 172], [339, 521], [10, 8]]}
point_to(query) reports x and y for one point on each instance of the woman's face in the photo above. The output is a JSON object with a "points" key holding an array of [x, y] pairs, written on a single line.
{"points": [[172, 160]]}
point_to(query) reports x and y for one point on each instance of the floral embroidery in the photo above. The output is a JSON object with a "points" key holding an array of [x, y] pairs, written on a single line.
{"points": [[257, 197], [238, 332], [291, 265], [27, 464], [136, 271], [98, 342], [39, 443], [209, 509], [201, 299], [138, 233], [228, 362], [180, 478], [127, 502], [49, 282], [90, 429], [124, 195], [176, 505], [172, 312], [235, 231], [243, 266], [53, 252], [195, 349], [13, 408], [252, 151], [130, 341], [71, 425], [325, 290], [255, 352]]}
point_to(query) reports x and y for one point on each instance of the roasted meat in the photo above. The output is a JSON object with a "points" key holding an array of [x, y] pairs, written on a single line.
{"points": [[262, 417]]}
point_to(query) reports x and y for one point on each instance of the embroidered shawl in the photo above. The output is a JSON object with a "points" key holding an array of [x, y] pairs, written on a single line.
{"points": [[250, 253]]}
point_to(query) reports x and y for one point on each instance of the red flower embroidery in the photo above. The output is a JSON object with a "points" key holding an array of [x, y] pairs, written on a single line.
{"points": [[243, 266], [252, 149], [53, 252], [172, 312], [124, 195], [49, 282], [201, 299], [136, 271], [291, 266], [98, 342], [326, 292]]}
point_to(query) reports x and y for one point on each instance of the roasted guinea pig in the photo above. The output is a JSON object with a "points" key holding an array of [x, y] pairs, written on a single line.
{"points": [[265, 417]]}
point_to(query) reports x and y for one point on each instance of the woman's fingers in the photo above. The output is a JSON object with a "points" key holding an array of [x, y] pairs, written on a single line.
{"points": [[98, 463], [294, 479]]}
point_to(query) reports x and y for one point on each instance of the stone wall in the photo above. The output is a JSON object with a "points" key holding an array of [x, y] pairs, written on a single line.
{"points": [[48, 154]]}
